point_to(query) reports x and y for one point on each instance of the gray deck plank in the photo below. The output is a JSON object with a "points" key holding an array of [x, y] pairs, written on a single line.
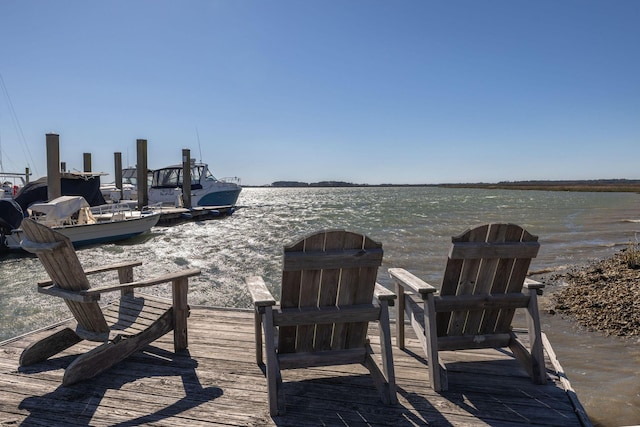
{"points": [[217, 382]]}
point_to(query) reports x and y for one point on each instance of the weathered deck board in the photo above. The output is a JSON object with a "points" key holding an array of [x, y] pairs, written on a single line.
{"points": [[217, 382]]}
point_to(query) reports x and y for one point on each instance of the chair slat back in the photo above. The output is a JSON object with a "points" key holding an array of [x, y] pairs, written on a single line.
{"points": [[64, 269], [329, 268], [489, 259]]}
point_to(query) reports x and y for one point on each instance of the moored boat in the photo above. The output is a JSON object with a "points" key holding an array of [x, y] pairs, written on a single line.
{"points": [[11, 184], [72, 216], [206, 190], [111, 192]]}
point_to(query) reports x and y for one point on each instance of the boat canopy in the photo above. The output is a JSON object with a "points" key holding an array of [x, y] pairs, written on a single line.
{"points": [[36, 191], [171, 176], [61, 207]]}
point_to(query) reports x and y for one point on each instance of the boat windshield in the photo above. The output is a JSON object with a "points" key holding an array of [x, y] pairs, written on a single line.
{"points": [[129, 176], [168, 178], [196, 174], [209, 176], [200, 172], [172, 177]]}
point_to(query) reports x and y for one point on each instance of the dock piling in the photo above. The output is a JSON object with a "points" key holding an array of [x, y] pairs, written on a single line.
{"points": [[54, 186], [186, 178], [141, 171], [86, 162], [117, 166]]}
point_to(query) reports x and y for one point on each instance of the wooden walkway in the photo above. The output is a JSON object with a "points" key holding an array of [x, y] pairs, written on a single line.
{"points": [[171, 215], [218, 383]]}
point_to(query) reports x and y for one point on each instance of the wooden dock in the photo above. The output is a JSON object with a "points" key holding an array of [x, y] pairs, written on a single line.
{"points": [[218, 383], [173, 215]]}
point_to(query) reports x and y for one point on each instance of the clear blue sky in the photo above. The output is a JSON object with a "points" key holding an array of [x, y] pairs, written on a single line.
{"points": [[414, 91]]}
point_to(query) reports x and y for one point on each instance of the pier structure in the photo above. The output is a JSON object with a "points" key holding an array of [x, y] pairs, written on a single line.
{"points": [[168, 214], [216, 383]]}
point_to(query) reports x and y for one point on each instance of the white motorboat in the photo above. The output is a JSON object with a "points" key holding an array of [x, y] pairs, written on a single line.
{"points": [[111, 192], [10, 184], [73, 217], [206, 190]]}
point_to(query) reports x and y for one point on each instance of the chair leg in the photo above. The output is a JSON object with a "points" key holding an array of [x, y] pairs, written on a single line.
{"points": [[538, 374], [258, 334], [387, 352], [437, 372], [180, 314], [274, 377], [400, 308], [532, 358], [47, 347], [103, 357], [379, 380]]}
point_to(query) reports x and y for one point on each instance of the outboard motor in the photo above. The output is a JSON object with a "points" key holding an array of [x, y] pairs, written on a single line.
{"points": [[10, 215], [10, 218]]}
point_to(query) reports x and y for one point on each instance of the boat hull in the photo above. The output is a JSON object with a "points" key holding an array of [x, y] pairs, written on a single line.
{"points": [[100, 232], [223, 195], [205, 191], [219, 198]]}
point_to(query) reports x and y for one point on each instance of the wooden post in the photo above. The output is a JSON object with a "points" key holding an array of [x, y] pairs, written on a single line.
{"points": [[54, 187], [180, 287], [86, 157], [125, 275], [141, 172], [117, 166], [400, 307], [26, 175], [63, 167], [186, 178]]}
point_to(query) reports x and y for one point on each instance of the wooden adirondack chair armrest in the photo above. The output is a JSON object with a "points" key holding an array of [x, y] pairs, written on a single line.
{"points": [[35, 247], [411, 282], [111, 267], [96, 270], [170, 277], [56, 291], [259, 292], [383, 294], [532, 284]]}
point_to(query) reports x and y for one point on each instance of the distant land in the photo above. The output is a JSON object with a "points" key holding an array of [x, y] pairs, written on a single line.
{"points": [[598, 185]]}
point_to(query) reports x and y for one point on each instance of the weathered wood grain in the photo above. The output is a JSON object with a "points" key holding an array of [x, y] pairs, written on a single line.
{"points": [[135, 321], [214, 383], [482, 287]]}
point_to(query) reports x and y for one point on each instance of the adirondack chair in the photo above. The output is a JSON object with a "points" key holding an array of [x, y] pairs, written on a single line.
{"points": [[123, 327], [329, 295], [482, 286]]}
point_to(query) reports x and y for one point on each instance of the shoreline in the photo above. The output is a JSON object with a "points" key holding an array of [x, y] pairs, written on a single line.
{"points": [[597, 185], [602, 296], [603, 186]]}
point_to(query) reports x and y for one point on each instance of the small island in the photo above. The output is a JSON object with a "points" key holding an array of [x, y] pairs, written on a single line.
{"points": [[592, 185]]}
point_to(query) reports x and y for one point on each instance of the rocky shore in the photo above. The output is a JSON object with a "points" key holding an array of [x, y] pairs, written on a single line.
{"points": [[603, 296]]}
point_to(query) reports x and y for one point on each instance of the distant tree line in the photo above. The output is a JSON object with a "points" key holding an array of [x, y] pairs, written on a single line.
{"points": [[608, 185], [315, 184]]}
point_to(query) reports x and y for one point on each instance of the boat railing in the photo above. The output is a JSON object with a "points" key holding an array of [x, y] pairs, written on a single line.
{"points": [[9, 186], [110, 208], [115, 212], [80, 217], [230, 179], [49, 221]]}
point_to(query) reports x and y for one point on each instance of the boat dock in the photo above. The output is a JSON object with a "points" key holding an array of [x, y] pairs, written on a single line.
{"points": [[218, 383], [172, 215]]}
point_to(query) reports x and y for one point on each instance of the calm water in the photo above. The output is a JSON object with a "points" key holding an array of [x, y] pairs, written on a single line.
{"points": [[415, 226]]}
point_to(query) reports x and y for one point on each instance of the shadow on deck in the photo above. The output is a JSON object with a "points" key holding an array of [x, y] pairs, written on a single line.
{"points": [[217, 382]]}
